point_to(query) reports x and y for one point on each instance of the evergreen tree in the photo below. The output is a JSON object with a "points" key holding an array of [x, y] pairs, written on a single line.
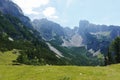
{"points": [[114, 51], [109, 58]]}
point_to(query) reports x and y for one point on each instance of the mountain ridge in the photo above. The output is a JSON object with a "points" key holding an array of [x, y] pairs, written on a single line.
{"points": [[88, 34], [9, 7], [17, 31], [14, 34]]}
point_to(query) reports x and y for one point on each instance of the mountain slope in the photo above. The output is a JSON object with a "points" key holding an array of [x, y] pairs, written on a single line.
{"points": [[8, 7], [100, 35], [77, 46], [94, 39], [14, 35], [48, 29]]}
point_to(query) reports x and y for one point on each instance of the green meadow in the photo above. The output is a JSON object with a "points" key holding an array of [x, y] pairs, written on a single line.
{"points": [[26, 72]]}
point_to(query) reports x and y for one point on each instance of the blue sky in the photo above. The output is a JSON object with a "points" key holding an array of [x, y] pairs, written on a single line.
{"points": [[70, 12]]}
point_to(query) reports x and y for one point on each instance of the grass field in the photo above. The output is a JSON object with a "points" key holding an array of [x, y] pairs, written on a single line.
{"points": [[25, 72]]}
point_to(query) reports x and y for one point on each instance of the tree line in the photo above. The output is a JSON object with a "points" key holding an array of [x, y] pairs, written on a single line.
{"points": [[113, 55]]}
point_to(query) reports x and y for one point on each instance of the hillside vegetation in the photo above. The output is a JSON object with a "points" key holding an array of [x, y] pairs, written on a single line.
{"points": [[7, 58], [79, 55], [33, 50], [25, 72]]}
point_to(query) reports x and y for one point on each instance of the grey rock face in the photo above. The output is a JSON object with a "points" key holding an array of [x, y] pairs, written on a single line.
{"points": [[8, 7], [48, 29]]}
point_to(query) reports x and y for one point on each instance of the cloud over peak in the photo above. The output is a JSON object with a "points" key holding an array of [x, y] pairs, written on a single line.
{"points": [[50, 12], [28, 5]]}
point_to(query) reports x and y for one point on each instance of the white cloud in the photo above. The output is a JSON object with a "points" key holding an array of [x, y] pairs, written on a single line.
{"points": [[28, 5], [49, 12], [68, 3]]}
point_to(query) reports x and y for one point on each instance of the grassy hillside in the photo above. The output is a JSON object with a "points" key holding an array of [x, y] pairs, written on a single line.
{"points": [[23, 72], [7, 58]]}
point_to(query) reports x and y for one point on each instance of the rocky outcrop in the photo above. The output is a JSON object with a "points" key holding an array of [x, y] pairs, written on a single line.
{"points": [[48, 29], [8, 7]]}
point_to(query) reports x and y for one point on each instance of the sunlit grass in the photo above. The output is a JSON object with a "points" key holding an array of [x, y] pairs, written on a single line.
{"points": [[7, 57], [25, 72]]}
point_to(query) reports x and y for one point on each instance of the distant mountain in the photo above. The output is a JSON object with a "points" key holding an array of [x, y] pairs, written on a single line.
{"points": [[8, 7], [83, 45], [68, 42], [49, 30], [100, 35], [85, 26], [84, 35], [70, 32]]}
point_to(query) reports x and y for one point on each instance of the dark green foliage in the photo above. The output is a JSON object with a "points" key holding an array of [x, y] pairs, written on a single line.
{"points": [[57, 40], [116, 49], [114, 52], [79, 56], [91, 41], [33, 50], [109, 58]]}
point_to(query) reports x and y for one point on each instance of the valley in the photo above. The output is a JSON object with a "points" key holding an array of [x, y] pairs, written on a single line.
{"points": [[41, 48]]}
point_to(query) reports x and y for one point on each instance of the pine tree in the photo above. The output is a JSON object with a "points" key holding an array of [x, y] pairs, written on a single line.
{"points": [[116, 48], [109, 58], [114, 51]]}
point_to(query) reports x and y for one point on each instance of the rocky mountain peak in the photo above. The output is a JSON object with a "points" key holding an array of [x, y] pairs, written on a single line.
{"points": [[83, 23], [9, 7]]}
